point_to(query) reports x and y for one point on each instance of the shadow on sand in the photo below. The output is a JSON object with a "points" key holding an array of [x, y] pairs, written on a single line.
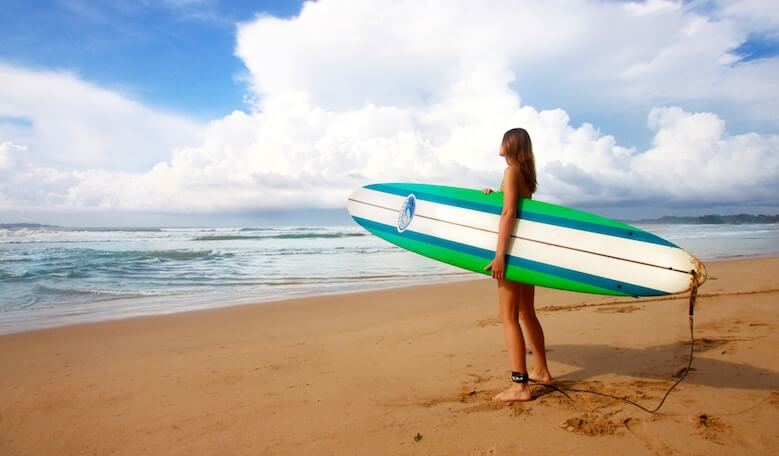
{"points": [[661, 362]]}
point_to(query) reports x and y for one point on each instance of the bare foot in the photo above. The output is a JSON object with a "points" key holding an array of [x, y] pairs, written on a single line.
{"points": [[517, 392], [541, 376]]}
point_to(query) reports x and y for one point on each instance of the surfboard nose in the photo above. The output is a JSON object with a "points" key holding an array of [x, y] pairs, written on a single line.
{"points": [[350, 202]]}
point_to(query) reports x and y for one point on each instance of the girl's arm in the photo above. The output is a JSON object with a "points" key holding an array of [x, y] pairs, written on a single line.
{"points": [[509, 214], [508, 218]]}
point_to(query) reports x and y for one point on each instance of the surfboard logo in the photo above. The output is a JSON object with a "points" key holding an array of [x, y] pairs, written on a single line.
{"points": [[407, 212]]}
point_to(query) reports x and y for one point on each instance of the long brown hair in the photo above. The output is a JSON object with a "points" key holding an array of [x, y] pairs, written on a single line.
{"points": [[518, 149]]}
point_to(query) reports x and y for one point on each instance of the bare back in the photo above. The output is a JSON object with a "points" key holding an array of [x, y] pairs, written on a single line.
{"points": [[522, 190]]}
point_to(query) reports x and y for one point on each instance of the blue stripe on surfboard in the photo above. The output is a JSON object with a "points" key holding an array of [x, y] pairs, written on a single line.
{"points": [[642, 236], [436, 198], [570, 274]]}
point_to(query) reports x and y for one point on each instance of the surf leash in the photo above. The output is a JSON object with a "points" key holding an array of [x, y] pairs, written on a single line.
{"points": [[691, 311]]}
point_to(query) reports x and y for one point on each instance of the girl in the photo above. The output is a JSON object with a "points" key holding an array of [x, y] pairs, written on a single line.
{"points": [[517, 299]]}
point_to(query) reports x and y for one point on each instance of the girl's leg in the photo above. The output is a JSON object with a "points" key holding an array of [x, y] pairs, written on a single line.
{"points": [[509, 298], [535, 333]]}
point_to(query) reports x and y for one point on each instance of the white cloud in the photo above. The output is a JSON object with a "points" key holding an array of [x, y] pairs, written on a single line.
{"points": [[343, 54], [8, 156], [352, 92], [758, 16], [694, 159], [70, 123]]}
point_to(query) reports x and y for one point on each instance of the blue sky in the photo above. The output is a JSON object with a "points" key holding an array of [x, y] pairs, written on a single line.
{"points": [[199, 110], [177, 55], [758, 47]]}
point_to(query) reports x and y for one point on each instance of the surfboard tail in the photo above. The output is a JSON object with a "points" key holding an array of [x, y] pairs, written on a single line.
{"points": [[698, 274]]}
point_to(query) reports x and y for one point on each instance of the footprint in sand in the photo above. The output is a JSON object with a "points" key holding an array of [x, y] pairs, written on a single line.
{"points": [[726, 345], [467, 395], [479, 378], [712, 428], [488, 322], [715, 430], [513, 408], [590, 425], [637, 429]]}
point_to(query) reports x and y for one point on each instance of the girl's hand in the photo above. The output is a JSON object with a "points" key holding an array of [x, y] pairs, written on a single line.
{"points": [[487, 191], [498, 267]]}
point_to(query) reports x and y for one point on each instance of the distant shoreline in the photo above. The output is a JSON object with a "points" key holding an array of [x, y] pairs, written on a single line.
{"points": [[710, 219]]}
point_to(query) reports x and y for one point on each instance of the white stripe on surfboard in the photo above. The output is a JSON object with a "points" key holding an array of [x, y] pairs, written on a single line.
{"points": [[661, 256], [607, 267]]}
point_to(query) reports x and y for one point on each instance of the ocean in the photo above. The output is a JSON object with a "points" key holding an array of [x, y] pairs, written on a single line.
{"points": [[53, 277]]}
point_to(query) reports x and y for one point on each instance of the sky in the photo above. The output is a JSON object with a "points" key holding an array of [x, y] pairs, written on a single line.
{"points": [[208, 112]]}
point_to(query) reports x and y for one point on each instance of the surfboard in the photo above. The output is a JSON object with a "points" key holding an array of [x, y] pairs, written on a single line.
{"points": [[551, 245]]}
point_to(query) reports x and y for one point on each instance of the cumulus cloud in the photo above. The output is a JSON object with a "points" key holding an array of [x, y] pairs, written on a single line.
{"points": [[9, 155], [69, 123], [617, 56], [757, 16], [351, 92], [692, 161]]}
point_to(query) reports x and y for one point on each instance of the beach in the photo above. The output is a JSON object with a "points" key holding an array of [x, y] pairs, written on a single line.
{"points": [[404, 371]]}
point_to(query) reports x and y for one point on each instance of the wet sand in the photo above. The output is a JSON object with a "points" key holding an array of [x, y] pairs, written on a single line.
{"points": [[404, 371]]}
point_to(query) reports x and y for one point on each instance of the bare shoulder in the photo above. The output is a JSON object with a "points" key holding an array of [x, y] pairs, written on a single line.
{"points": [[511, 174], [512, 178]]}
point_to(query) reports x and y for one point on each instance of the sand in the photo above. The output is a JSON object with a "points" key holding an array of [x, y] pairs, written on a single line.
{"points": [[403, 371]]}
